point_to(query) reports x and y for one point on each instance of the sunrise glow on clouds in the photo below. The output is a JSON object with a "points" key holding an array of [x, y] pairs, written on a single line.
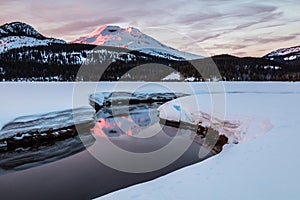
{"points": [[243, 28]]}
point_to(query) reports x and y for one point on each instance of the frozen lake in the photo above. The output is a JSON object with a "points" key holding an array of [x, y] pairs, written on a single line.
{"points": [[21, 99], [244, 98]]}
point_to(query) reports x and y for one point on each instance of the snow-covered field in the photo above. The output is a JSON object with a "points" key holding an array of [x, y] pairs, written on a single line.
{"points": [[19, 99], [264, 165]]}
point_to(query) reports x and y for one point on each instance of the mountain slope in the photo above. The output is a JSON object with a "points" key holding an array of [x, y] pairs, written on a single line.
{"points": [[17, 34], [133, 39], [286, 55]]}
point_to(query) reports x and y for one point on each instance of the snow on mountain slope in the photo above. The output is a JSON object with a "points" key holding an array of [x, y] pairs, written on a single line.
{"points": [[284, 51], [285, 54], [13, 42], [133, 39], [18, 34]]}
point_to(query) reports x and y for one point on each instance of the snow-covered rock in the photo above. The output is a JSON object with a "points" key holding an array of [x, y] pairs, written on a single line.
{"points": [[45, 122], [207, 111], [133, 39], [100, 99]]}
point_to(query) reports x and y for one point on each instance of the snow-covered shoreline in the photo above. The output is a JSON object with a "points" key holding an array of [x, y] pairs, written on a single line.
{"points": [[262, 166]]}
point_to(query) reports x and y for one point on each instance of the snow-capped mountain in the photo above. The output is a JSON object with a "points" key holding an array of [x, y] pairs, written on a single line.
{"points": [[133, 39], [17, 34], [19, 29], [287, 55]]}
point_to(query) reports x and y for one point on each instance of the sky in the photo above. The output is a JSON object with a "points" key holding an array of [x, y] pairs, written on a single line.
{"points": [[211, 27]]}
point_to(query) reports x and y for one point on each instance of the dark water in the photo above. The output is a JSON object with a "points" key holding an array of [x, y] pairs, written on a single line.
{"points": [[81, 176]]}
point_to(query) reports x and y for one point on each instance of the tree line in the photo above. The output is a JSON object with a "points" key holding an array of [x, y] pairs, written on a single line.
{"points": [[70, 62]]}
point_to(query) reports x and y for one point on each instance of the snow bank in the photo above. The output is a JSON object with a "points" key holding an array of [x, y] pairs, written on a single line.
{"points": [[264, 167], [205, 109]]}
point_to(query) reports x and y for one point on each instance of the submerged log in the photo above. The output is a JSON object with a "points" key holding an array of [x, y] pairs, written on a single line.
{"points": [[38, 138], [202, 135]]}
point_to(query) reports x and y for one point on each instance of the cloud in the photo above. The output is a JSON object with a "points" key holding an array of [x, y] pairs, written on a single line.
{"points": [[72, 27], [231, 46], [4, 2], [209, 37], [271, 26], [196, 17], [262, 15], [241, 53], [213, 24], [277, 39]]}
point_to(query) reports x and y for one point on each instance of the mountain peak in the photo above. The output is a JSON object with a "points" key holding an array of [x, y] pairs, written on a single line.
{"points": [[106, 33], [132, 39], [19, 29], [18, 34]]}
